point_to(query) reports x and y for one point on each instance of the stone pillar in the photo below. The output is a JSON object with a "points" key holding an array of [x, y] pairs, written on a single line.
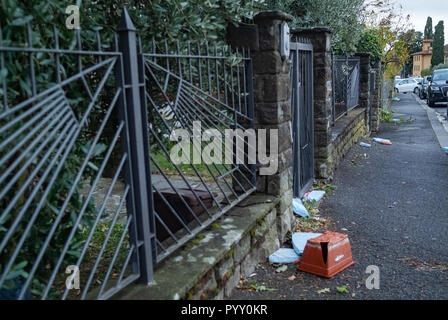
{"points": [[272, 97], [272, 94], [376, 105], [364, 84], [323, 78]]}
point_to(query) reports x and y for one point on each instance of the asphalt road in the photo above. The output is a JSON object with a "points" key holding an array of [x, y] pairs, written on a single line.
{"points": [[394, 207], [440, 107]]}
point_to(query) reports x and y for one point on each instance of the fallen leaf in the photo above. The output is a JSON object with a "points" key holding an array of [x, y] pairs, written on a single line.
{"points": [[282, 268], [326, 290], [342, 289]]}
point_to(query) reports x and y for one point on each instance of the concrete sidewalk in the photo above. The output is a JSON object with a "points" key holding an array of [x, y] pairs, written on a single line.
{"points": [[394, 207]]}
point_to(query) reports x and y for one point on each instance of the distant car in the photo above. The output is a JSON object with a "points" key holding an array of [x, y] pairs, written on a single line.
{"points": [[423, 88], [407, 85], [438, 87]]}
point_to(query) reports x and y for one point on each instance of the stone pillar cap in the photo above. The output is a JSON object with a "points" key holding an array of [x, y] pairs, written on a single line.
{"points": [[312, 30], [273, 15]]}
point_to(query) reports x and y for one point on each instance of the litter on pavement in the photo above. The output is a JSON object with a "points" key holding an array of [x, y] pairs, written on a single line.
{"points": [[363, 144], [315, 195], [382, 141], [284, 255], [445, 149], [396, 99], [298, 208], [299, 240], [326, 255]]}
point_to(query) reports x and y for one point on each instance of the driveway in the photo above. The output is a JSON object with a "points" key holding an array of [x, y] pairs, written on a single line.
{"points": [[393, 204]]}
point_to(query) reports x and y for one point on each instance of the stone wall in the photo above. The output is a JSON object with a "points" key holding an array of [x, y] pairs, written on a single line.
{"points": [[229, 251], [346, 132]]}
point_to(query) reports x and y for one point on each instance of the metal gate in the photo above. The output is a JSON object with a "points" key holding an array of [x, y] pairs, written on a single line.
{"points": [[372, 92], [302, 106]]}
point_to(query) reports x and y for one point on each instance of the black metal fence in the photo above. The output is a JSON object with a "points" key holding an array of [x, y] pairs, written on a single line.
{"points": [[205, 92], [346, 71], [84, 160]]}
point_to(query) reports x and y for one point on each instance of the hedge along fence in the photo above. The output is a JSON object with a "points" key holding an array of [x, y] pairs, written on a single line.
{"points": [[161, 22]]}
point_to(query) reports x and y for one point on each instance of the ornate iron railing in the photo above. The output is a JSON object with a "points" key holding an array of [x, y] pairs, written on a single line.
{"points": [[198, 90]]}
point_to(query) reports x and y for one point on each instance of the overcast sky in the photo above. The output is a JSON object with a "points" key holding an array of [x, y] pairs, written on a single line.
{"points": [[421, 9]]}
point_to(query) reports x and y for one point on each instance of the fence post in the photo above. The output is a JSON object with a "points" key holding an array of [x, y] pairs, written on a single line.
{"points": [[140, 174], [364, 85]]}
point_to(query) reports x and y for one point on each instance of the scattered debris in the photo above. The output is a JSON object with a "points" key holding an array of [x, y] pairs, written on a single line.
{"points": [[299, 208], [396, 99], [382, 141], [326, 290], [315, 195], [251, 285], [320, 185], [363, 144], [281, 269], [396, 120], [299, 240], [284, 255], [342, 289], [420, 265], [445, 149], [292, 278]]}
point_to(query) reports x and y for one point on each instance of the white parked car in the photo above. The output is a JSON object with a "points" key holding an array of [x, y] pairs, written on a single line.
{"points": [[407, 85]]}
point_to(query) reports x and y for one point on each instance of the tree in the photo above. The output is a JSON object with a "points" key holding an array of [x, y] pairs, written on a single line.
{"points": [[428, 29], [414, 42], [370, 43], [437, 45], [342, 16], [391, 27]]}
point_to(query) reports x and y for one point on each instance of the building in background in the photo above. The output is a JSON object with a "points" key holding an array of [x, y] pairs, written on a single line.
{"points": [[422, 59]]}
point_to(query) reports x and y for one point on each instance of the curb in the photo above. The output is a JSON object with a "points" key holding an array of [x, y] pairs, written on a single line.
{"points": [[438, 123]]}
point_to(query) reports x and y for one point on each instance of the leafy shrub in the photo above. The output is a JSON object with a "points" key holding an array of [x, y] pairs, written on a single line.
{"points": [[370, 43]]}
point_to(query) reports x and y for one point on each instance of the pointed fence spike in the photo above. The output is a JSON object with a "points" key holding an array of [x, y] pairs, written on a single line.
{"points": [[126, 23]]}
